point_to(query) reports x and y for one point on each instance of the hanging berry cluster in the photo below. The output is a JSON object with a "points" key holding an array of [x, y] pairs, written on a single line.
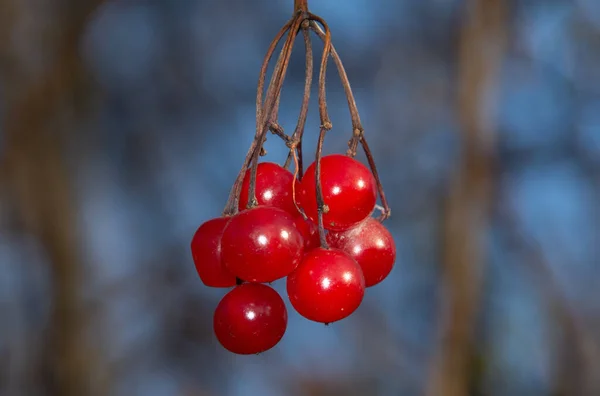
{"points": [[314, 227]]}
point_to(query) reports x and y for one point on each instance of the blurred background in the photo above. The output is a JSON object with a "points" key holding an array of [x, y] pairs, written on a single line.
{"points": [[123, 125]]}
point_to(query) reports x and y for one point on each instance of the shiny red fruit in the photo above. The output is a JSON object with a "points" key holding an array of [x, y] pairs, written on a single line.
{"points": [[371, 245], [349, 190], [310, 233], [251, 318], [206, 251], [261, 244], [273, 187], [327, 286]]}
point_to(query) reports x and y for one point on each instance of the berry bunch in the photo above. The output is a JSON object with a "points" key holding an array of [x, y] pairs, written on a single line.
{"points": [[315, 227]]}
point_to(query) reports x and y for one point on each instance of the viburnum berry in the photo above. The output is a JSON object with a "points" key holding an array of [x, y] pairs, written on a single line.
{"points": [[261, 244], [349, 191], [371, 245], [206, 251], [251, 318], [327, 286], [310, 233], [273, 187]]}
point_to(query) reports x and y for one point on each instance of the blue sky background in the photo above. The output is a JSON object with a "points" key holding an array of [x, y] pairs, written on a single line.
{"points": [[176, 117]]}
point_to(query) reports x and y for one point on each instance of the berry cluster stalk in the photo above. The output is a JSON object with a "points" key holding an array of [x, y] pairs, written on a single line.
{"points": [[267, 113]]}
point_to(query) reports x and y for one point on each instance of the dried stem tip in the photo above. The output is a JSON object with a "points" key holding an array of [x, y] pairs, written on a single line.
{"points": [[300, 5]]}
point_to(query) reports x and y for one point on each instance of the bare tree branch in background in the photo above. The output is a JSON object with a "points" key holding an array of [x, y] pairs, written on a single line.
{"points": [[41, 112], [577, 365], [466, 211]]}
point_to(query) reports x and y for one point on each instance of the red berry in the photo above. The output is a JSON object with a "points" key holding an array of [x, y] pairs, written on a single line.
{"points": [[251, 318], [371, 245], [273, 187], [261, 244], [206, 251], [327, 286], [310, 233], [349, 190]]}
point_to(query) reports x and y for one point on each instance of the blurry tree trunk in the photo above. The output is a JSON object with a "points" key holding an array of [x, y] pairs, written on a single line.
{"points": [[41, 113], [466, 210]]}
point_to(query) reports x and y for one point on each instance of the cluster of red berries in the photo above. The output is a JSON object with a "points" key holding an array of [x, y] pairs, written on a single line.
{"points": [[280, 237]]}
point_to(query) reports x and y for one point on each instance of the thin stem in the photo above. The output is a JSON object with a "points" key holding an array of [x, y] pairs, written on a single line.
{"points": [[299, 164], [277, 130], [297, 168], [321, 207], [325, 126], [271, 100], [261, 137], [325, 122], [275, 114], [299, 131], [357, 129], [387, 211], [231, 207], [263, 72]]}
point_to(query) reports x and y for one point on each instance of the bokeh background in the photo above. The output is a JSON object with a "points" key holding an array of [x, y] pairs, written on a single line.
{"points": [[124, 123]]}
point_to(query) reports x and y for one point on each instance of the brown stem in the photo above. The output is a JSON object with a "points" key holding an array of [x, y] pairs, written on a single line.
{"points": [[357, 129], [262, 118], [277, 130], [325, 126], [321, 207], [325, 122], [231, 207], [299, 131], [301, 5], [297, 168], [300, 164], [387, 211], [273, 124], [271, 100], [263, 72]]}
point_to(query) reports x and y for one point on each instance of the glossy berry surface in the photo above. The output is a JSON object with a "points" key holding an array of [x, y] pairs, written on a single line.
{"points": [[310, 233], [261, 244], [371, 245], [349, 190], [327, 286], [206, 251], [273, 187], [251, 318]]}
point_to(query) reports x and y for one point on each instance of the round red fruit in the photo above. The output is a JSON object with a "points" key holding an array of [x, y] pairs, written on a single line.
{"points": [[273, 187], [327, 286], [310, 233], [371, 245], [206, 251], [250, 319], [261, 244], [349, 191]]}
